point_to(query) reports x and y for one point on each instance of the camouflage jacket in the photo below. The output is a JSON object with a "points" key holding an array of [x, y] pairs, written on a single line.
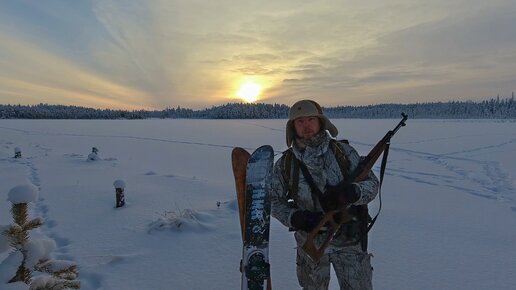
{"points": [[324, 168]]}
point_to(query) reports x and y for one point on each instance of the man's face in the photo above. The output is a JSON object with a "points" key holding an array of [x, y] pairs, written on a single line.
{"points": [[307, 127]]}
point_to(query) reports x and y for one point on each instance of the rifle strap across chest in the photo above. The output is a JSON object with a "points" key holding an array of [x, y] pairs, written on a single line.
{"points": [[292, 167]]}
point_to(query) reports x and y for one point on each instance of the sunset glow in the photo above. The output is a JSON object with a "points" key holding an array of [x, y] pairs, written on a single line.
{"points": [[249, 91], [149, 55]]}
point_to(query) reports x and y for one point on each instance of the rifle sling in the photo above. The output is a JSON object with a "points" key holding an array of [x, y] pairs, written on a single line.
{"points": [[291, 176], [382, 173], [316, 192]]}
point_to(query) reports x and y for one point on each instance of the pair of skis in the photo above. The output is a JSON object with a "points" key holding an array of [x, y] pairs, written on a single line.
{"points": [[252, 173]]}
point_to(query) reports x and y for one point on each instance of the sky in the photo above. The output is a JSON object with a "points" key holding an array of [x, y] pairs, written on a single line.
{"points": [[155, 54]]}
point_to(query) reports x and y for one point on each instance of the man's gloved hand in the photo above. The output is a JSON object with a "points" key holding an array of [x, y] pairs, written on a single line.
{"points": [[340, 195], [305, 220]]}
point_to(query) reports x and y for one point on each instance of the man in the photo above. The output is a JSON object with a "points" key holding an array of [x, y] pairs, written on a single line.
{"points": [[310, 137]]}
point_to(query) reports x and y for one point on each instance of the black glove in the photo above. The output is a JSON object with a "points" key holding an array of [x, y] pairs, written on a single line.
{"points": [[340, 195], [305, 220]]}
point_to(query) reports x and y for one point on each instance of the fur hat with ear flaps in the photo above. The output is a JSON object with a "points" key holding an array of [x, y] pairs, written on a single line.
{"points": [[307, 108]]}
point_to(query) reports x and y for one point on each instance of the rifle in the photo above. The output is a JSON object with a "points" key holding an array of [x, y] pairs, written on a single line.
{"points": [[342, 214]]}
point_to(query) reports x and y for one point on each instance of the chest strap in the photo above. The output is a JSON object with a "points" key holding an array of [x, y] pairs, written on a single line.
{"points": [[292, 168]]}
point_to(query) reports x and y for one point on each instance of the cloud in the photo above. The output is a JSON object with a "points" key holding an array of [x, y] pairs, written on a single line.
{"points": [[196, 53], [39, 75], [453, 55]]}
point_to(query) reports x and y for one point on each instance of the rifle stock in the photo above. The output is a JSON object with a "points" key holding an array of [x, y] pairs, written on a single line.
{"points": [[360, 174]]}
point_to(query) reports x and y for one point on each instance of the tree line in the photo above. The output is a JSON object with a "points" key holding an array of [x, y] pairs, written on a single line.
{"points": [[494, 108]]}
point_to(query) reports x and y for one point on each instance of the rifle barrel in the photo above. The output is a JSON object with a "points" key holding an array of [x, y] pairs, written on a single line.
{"points": [[400, 124], [365, 166]]}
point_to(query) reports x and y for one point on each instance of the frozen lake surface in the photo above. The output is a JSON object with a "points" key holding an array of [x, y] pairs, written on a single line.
{"points": [[448, 217]]}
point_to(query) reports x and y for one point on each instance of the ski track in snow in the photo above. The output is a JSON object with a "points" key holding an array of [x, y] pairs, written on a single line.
{"points": [[444, 139], [469, 179], [124, 137], [138, 138], [282, 130], [494, 146], [498, 186]]}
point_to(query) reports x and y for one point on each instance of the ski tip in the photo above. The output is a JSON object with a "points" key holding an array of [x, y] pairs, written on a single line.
{"points": [[239, 150], [265, 148], [262, 152]]}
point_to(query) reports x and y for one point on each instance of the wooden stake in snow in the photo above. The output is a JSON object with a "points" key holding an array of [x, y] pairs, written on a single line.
{"points": [[17, 152], [119, 189]]}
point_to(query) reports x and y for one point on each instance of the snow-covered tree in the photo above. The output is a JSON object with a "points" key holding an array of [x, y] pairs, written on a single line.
{"points": [[31, 255], [494, 108]]}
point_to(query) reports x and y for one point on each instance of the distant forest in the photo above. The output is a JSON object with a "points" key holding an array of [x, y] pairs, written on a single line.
{"points": [[494, 108]]}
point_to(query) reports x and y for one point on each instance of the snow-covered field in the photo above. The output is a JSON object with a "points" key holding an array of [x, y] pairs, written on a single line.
{"points": [[448, 218]]}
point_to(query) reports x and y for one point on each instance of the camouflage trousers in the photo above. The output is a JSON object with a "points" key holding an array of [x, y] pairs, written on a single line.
{"points": [[352, 268]]}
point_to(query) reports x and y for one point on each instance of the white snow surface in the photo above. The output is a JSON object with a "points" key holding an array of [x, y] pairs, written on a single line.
{"points": [[448, 214], [39, 249], [8, 265]]}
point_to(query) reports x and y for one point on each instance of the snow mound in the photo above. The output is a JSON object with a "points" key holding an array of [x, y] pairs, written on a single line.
{"points": [[39, 249], [16, 286], [93, 157], [119, 184], [232, 204], [9, 266], [187, 220], [23, 193], [49, 282]]}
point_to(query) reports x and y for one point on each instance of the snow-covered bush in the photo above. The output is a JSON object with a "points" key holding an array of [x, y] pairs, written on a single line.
{"points": [[182, 220]]}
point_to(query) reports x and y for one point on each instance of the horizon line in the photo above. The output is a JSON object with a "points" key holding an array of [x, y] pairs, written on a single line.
{"points": [[261, 103]]}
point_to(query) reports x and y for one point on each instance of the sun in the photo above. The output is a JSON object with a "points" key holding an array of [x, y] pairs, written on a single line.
{"points": [[249, 91]]}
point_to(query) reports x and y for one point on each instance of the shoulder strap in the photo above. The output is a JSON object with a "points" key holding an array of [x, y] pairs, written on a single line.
{"points": [[316, 192], [287, 163], [340, 157], [291, 175], [292, 166]]}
